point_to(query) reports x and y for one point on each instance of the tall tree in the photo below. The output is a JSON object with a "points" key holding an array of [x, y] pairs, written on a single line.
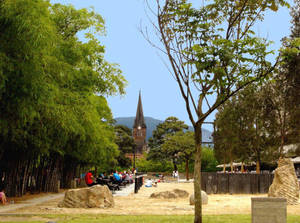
{"points": [[169, 127], [291, 71], [226, 137], [180, 145], [125, 143], [247, 122], [54, 114], [212, 51]]}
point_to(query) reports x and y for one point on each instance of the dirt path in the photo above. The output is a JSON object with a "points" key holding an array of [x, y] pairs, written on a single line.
{"points": [[141, 204], [10, 208]]}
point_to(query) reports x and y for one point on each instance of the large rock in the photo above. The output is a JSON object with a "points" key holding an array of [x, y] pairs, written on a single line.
{"points": [[285, 183], [91, 197], [181, 193], [176, 193], [204, 198]]}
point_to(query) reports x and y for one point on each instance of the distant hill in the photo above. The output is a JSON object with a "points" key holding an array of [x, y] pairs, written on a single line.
{"points": [[152, 123]]}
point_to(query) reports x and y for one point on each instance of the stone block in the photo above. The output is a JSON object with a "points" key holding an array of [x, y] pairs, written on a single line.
{"points": [[285, 183], [268, 210], [204, 198], [91, 197]]}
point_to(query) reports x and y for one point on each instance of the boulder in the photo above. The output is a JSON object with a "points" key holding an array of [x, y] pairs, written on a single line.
{"points": [[176, 193], [285, 183], [204, 198], [91, 197], [164, 195], [181, 193]]}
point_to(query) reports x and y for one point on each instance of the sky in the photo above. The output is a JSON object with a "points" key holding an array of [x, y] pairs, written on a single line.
{"points": [[142, 65]]}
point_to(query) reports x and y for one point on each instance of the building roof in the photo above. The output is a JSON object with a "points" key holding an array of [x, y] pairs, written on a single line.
{"points": [[236, 164], [139, 118]]}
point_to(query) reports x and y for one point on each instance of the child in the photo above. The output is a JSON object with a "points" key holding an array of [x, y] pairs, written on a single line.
{"points": [[3, 197]]}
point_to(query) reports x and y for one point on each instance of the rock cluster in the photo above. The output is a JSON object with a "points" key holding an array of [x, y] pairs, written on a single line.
{"points": [[285, 183], [204, 198], [91, 197], [176, 193]]}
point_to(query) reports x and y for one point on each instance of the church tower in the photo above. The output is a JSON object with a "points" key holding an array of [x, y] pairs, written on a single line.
{"points": [[139, 129]]}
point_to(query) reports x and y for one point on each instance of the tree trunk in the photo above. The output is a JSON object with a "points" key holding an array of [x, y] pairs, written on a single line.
{"points": [[224, 167], [197, 173], [282, 144], [257, 166], [174, 163], [187, 169], [242, 168]]}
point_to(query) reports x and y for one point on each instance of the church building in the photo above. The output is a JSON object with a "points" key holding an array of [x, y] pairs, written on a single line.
{"points": [[139, 129]]}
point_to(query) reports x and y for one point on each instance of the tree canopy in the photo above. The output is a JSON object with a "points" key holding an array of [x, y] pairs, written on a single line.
{"points": [[53, 87], [212, 51]]}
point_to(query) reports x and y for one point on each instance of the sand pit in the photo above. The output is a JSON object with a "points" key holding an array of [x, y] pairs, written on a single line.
{"points": [[141, 204]]}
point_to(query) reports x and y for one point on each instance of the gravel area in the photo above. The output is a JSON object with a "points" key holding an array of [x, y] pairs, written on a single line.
{"points": [[141, 204]]}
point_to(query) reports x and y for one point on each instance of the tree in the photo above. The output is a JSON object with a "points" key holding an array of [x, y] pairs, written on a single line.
{"points": [[226, 132], [213, 53], [180, 145], [125, 143], [54, 114], [169, 127], [291, 73], [208, 162], [245, 123]]}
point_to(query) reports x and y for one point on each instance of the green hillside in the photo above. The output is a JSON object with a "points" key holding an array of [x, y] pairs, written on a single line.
{"points": [[152, 123]]}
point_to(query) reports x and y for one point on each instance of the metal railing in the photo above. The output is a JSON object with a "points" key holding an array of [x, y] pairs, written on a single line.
{"points": [[138, 182]]}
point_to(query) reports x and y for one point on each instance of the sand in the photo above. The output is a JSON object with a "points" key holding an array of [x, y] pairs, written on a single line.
{"points": [[141, 204]]}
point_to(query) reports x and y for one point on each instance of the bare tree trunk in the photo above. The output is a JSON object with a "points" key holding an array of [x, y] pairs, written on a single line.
{"points": [[242, 168], [197, 174], [257, 166]]}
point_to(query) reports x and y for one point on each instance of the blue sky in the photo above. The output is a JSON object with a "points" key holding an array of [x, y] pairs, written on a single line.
{"points": [[140, 63]]}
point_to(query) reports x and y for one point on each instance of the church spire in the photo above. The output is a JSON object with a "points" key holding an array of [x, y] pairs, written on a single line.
{"points": [[139, 118]]}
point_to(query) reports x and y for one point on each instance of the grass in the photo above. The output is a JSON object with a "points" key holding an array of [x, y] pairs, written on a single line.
{"points": [[141, 219]]}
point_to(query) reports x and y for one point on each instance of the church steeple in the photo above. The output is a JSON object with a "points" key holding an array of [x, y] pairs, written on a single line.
{"points": [[139, 129], [139, 118]]}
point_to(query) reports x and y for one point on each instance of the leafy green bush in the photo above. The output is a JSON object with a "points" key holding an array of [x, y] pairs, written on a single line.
{"points": [[144, 165]]}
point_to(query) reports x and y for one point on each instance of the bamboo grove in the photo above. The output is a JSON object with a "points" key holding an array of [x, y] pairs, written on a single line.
{"points": [[54, 117]]}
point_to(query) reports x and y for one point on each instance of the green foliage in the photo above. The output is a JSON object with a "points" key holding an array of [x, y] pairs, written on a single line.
{"points": [[169, 127], [244, 129], [213, 51], [208, 160], [125, 143], [145, 165], [52, 85], [181, 143]]}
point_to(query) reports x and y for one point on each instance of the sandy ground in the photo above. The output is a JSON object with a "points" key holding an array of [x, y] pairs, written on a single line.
{"points": [[141, 204]]}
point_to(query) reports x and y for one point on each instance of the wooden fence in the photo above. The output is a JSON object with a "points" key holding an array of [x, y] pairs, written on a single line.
{"points": [[236, 183]]}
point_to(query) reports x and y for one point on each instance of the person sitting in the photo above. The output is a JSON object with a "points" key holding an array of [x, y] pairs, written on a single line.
{"points": [[128, 179], [89, 179], [117, 177], [148, 183], [3, 197]]}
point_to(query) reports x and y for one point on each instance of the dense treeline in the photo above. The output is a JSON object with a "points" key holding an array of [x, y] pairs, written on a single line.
{"points": [[54, 117], [172, 147], [259, 121]]}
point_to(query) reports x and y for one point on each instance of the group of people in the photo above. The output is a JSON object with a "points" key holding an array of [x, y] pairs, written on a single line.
{"points": [[175, 174], [114, 177]]}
